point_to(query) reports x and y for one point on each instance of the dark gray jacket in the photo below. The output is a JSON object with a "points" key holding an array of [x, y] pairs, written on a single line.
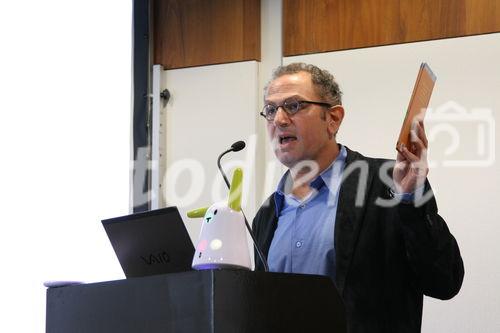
{"points": [[386, 258]]}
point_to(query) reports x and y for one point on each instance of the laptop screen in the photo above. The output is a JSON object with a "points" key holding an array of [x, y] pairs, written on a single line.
{"points": [[149, 243]]}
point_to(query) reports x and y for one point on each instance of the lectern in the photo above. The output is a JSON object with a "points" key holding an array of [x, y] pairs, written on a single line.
{"points": [[211, 301]]}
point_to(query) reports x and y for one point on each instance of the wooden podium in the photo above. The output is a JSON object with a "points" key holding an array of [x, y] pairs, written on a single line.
{"points": [[211, 301]]}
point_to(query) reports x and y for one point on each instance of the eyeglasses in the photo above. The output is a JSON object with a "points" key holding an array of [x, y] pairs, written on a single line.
{"points": [[291, 107]]}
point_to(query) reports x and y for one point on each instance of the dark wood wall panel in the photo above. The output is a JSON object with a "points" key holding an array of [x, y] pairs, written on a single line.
{"points": [[202, 32], [312, 26]]}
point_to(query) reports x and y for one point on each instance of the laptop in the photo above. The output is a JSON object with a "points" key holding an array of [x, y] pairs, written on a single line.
{"points": [[150, 243]]}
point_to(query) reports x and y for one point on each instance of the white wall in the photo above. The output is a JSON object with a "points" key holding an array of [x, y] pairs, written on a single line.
{"points": [[64, 136], [377, 84], [210, 108]]}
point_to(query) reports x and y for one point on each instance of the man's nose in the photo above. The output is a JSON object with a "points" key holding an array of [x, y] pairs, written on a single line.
{"points": [[281, 118]]}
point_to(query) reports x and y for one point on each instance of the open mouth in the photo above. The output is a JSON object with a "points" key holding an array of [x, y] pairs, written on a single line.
{"points": [[286, 139]]}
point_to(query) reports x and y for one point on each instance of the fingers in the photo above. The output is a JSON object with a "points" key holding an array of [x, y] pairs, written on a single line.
{"points": [[401, 167], [418, 132], [417, 146], [421, 133], [418, 138], [407, 154], [400, 157], [411, 163], [419, 143]]}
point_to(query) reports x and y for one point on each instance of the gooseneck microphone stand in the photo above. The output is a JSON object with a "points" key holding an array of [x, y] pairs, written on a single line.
{"points": [[237, 146]]}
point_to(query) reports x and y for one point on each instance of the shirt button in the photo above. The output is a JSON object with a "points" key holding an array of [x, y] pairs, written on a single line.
{"points": [[298, 244], [302, 206]]}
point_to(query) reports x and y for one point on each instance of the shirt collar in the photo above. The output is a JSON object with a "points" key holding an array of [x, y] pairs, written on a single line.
{"points": [[330, 177]]}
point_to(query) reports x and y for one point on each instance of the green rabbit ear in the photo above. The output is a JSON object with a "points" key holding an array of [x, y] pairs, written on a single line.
{"points": [[200, 212], [234, 200]]}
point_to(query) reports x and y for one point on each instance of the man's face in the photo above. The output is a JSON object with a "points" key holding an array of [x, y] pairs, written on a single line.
{"points": [[306, 135]]}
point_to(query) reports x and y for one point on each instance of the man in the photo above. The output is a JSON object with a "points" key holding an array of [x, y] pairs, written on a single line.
{"points": [[355, 219]]}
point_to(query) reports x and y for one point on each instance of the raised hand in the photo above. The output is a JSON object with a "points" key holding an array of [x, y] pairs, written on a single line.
{"points": [[411, 167]]}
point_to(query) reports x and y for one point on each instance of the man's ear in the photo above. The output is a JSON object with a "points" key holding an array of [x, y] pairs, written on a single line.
{"points": [[336, 113]]}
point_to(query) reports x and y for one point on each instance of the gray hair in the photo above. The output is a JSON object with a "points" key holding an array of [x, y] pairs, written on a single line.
{"points": [[324, 82]]}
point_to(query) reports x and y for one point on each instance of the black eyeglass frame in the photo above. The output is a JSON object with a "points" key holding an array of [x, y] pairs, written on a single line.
{"points": [[299, 103]]}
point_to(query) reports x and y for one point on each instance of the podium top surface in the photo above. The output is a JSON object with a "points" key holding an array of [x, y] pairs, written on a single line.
{"points": [[199, 301]]}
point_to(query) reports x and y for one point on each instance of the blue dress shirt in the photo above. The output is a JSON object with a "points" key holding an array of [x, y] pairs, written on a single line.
{"points": [[304, 238]]}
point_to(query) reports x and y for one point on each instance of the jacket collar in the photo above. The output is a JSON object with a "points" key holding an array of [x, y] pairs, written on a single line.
{"points": [[348, 219], [331, 173]]}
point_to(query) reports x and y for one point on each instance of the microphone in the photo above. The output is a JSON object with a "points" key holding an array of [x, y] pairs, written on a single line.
{"points": [[237, 146]]}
